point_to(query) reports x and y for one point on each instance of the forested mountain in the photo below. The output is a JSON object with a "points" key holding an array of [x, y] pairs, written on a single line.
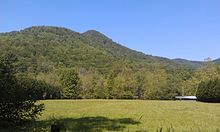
{"points": [[47, 47], [63, 46], [100, 41], [188, 63], [193, 64], [105, 68]]}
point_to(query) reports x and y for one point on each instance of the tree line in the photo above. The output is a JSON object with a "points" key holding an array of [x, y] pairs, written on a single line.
{"points": [[121, 82]]}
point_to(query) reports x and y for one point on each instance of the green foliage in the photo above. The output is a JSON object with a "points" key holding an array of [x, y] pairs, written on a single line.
{"points": [[209, 91], [71, 82], [38, 89], [105, 68], [208, 71], [15, 103]]}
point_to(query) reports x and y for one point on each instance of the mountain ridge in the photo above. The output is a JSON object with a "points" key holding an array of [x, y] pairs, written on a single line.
{"points": [[190, 63], [91, 40]]}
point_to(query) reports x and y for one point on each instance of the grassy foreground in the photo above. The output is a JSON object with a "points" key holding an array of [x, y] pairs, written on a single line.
{"points": [[130, 115]]}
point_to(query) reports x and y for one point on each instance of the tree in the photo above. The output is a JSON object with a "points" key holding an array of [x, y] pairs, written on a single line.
{"points": [[124, 85], [38, 89], [155, 83], [209, 91], [209, 71], [139, 87], [71, 83], [110, 85], [15, 104]]}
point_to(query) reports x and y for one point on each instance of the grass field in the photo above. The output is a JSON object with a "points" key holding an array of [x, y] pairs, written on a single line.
{"points": [[130, 115]]}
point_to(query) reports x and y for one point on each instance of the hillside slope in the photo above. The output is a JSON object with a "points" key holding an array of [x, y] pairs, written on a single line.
{"points": [[44, 47], [53, 46]]}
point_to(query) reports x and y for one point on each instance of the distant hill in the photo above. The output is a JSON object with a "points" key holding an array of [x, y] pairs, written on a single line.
{"points": [[188, 63], [59, 46], [193, 64], [102, 42], [217, 60], [46, 47]]}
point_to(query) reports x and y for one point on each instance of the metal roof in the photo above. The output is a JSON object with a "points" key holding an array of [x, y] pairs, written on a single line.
{"points": [[186, 97]]}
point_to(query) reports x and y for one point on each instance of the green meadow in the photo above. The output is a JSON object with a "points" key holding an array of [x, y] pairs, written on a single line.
{"points": [[129, 115]]}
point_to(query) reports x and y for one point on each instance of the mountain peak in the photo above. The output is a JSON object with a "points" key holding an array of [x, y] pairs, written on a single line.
{"points": [[95, 34], [49, 29], [45, 28], [97, 37], [92, 31]]}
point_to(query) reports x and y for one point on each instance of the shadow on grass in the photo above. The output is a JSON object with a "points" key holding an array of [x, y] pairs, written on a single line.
{"points": [[84, 124]]}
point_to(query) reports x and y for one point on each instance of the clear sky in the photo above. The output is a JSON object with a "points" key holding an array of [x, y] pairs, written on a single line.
{"points": [[187, 29]]}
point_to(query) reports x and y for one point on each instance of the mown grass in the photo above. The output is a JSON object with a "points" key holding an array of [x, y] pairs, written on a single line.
{"points": [[130, 115]]}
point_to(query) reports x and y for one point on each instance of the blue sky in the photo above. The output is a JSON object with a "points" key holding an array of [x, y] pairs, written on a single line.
{"points": [[187, 29]]}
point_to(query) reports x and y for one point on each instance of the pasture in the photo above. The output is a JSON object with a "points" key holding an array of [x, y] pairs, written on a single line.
{"points": [[129, 115]]}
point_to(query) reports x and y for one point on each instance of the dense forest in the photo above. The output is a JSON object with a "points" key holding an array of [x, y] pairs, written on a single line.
{"points": [[55, 62]]}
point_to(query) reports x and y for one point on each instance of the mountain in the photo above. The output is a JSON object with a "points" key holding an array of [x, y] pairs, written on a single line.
{"points": [[188, 63], [102, 42], [217, 60], [106, 69], [193, 64], [45, 47]]}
